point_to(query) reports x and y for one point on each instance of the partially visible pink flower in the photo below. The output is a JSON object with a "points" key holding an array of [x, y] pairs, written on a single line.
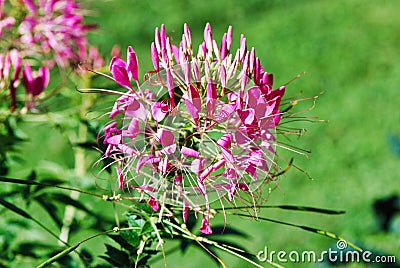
{"points": [[6, 23], [34, 86], [92, 61], [54, 28]]}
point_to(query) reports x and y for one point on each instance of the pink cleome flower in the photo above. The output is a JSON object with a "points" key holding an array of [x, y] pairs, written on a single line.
{"points": [[200, 128], [54, 27]]}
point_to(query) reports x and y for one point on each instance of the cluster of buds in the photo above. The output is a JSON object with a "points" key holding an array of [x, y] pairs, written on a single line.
{"points": [[38, 35], [200, 128]]}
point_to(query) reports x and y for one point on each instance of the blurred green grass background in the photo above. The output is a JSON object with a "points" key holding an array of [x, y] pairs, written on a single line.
{"points": [[350, 50]]}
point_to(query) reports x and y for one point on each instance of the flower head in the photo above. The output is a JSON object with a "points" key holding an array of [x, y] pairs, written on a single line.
{"points": [[54, 27], [34, 86], [200, 128], [40, 33]]}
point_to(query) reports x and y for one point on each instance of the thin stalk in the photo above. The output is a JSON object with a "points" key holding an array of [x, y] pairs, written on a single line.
{"points": [[80, 163]]}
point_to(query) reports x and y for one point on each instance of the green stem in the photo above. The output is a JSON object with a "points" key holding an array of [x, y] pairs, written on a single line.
{"points": [[80, 163]]}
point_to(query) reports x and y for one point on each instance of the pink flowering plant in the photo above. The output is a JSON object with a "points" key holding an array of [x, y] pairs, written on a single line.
{"points": [[34, 37], [194, 142], [196, 137], [200, 128]]}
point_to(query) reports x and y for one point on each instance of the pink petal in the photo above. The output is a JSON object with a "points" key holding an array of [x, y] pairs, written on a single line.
{"points": [[178, 179], [136, 110], [153, 203], [170, 84], [205, 226], [133, 128], [241, 137], [194, 97], [121, 76], [193, 111], [159, 110], [165, 137], [7, 67], [223, 47], [219, 164], [185, 211], [225, 141], [169, 149], [45, 74], [31, 6], [231, 174], [189, 152], [16, 62], [175, 51], [208, 37], [120, 178], [163, 36], [243, 186], [114, 140], [154, 57], [132, 64], [227, 155], [197, 166], [247, 116], [206, 173], [211, 97]]}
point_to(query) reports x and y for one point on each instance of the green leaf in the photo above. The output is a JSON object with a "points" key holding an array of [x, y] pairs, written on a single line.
{"points": [[18, 181], [67, 200], [28, 248], [15, 208], [144, 207], [306, 228], [309, 209], [50, 208], [294, 208], [27, 190], [135, 222], [131, 236], [117, 257], [122, 242]]}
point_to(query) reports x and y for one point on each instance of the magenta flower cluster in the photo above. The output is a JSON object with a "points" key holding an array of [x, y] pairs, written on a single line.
{"points": [[42, 34], [199, 128]]}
